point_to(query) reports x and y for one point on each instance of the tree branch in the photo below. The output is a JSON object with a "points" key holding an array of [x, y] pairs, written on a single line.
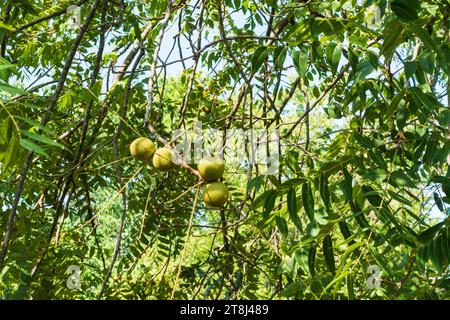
{"points": [[27, 163]]}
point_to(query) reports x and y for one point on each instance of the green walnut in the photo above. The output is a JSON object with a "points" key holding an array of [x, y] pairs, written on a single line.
{"points": [[162, 160], [215, 194], [211, 168], [142, 148]]}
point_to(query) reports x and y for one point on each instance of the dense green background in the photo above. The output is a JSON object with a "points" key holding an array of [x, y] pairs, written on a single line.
{"points": [[358, 91]]}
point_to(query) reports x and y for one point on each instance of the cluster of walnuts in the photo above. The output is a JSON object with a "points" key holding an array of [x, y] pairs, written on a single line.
{"points": [[211, 169]]}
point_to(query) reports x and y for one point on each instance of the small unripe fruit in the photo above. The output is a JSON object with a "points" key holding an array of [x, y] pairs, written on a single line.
{"points": [[211, 168], [216, 194], [142, 149], [162, 160]]}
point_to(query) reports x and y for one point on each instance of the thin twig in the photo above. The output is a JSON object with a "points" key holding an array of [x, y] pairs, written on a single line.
{"points": [[151, 78]]}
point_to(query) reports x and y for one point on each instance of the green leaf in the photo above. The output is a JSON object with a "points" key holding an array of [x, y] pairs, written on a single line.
{"points": [[398, 197], [402, 115], [137, 31], [256, 183], [312, 259], [327, 247], [258, 19], [445, 244], [279, 56], [348, 189], [10, 157], [301, 257], [7, 66], [269, 203], [438, 202], [290, 183], [260, 200], [350, 291], [41, 138], [429, 233], [12, 90], [391, 38], [6, 27], [97, 88], [258, 57], [324, 191], [308, 201], [27, 7], [410, 68], [394, 104], [37, 124], [359, 216], [294, 289], [282, 225], [425, 37], [292, 208], [353, 248], [377, 158], [422, 99], [430, 152], [363, 70], [343, 227], [333, 54], [406, 10], [433, 256], [400, 179], [353, 59], [27, 144], [386, 216], [380, 260], [422, 257], [300, 60]]}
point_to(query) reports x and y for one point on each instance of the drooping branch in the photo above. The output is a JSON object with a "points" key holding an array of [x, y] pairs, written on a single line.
{"points": [[27, 163], [59, 209], [119, 175]]}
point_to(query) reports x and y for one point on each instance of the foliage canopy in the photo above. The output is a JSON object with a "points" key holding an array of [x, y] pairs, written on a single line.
{"points": [[358, 91]]}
